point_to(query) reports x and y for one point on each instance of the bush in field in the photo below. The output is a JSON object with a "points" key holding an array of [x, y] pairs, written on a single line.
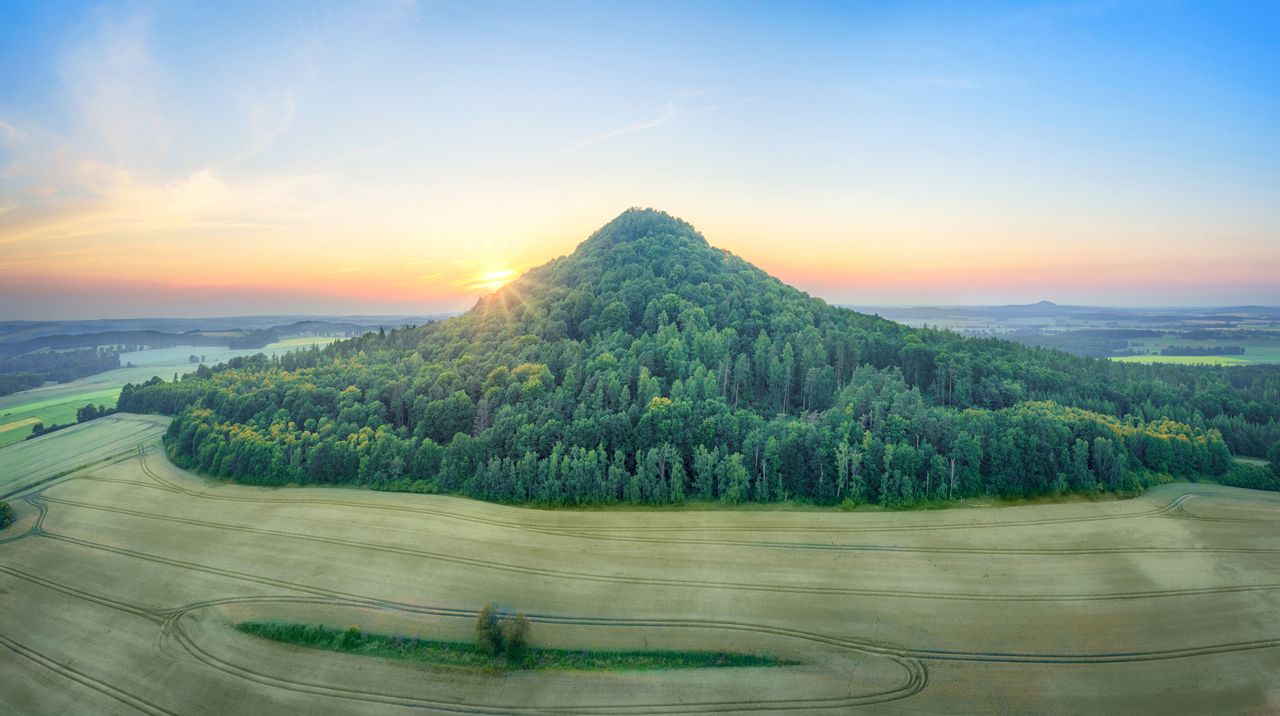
{"points": [[6, 515], [489, 630], [515, 634], [502, 636]]}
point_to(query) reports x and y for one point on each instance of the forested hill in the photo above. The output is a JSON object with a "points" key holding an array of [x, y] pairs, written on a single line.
{"points": [[650, 367]]}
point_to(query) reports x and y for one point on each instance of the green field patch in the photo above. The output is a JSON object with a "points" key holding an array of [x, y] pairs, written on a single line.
{"points": [[60, 410], [1184, 360], [57, 404], [465, 655], [1257, 349]]}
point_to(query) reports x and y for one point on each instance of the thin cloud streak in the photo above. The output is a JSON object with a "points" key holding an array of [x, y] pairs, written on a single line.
{"points": [[665, 117]]}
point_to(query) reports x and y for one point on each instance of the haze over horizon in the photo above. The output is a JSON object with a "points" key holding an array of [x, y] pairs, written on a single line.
{"points": [[407, 157]]}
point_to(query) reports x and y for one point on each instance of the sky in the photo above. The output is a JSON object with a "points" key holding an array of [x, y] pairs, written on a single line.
{"points": [[230, 158]]}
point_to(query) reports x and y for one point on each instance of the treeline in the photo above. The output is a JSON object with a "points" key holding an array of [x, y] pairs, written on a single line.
{"points": [[650, 367], [31, 370], [253, 339], [83, 415], [1202, 351], [122, 341], [14, 382], [1255, 477], [1095, 342], [1035, 448]]}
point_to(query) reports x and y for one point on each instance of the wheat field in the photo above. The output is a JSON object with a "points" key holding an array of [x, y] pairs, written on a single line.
{"points": [[123, 576]]}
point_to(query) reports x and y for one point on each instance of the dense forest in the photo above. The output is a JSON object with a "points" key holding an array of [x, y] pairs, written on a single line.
{"points": [[32, 370], [649, 367]]}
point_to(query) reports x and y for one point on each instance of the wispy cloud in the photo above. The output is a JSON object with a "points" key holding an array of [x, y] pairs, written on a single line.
{"points": [[660, 120], [113, 83], [111, 171]]}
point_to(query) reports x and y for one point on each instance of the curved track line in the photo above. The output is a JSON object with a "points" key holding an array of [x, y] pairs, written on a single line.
{"points": [[1182, 513], [79, 677], [150, 614], [160, 484], [580, 530], [643, 581], [35, 527], [171, 626]]}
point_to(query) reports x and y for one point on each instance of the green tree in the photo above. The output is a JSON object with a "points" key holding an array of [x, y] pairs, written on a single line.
{"points": [[489, 632]]}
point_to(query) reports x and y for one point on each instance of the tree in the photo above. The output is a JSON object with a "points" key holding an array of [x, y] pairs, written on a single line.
{"points": [[1273, 457], [733, 478], [515, 635], [1106, 464], [503, 636], [489, 633], [704, 471]]}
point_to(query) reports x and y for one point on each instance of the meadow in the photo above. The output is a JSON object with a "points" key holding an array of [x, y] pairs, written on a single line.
{"points": [[57, 403], [1185, 360], [1256, 350], [1165, 603]]}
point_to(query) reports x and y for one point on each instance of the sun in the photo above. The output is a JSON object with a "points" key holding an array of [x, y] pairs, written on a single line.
{"points": [[490, 281]]}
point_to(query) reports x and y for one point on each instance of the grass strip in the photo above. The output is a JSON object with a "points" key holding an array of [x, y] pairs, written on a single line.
{"points": [[466, 655]]}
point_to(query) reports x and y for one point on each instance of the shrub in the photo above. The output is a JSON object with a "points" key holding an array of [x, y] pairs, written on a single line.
{"points": [[489, 635], [515, 633], [6, 515], [1245, 474], [502, 636]]}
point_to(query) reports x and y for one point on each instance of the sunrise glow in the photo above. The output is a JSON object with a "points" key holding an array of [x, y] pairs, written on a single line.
{"points": [[867, 161]]}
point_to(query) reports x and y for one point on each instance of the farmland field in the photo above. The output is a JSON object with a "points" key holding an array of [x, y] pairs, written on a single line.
{"points": [[1257, 350], [1167, 603], [57, 404], [1184, 360]]}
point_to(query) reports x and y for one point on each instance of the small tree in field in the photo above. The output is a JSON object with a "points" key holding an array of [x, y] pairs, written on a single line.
{"points": [[515, 633], [502, 636], [489, 630]]}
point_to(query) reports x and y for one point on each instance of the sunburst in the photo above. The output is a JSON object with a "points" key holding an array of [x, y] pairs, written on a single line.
{"points": [[492, 280]]}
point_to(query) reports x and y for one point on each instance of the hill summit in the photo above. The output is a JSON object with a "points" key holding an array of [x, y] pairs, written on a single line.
{"points": [[650, 367], [635, 224], [642, 269]]}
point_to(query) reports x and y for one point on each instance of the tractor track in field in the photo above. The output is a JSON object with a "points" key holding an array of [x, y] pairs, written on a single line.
{"points": [[595, 531], [75, 675], [173, 623], [641, 581], [130, 439], [1182, 513], [911, 660], [602, 533], [171, 626], [752, 544], [1174, 508]]}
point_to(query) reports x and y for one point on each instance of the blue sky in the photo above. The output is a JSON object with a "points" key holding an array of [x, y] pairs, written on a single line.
{"points": [[395, 156]]}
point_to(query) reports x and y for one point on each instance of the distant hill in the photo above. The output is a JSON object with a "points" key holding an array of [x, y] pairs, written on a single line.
{"points": [[649, 366], [1048, 310], [19, 337], [20, 331]]}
